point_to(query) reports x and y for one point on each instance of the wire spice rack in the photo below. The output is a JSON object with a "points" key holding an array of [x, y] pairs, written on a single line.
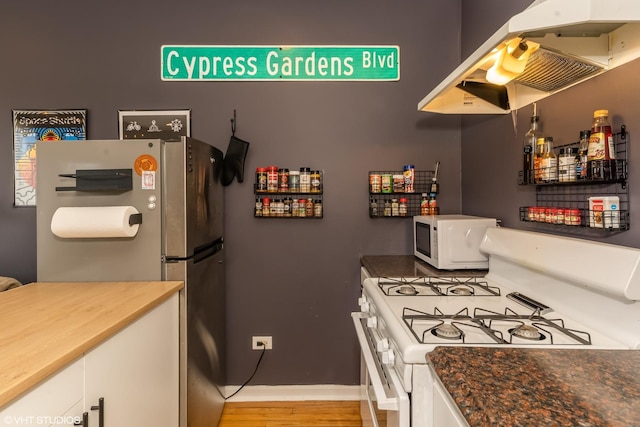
{"points": [[564, 205]]}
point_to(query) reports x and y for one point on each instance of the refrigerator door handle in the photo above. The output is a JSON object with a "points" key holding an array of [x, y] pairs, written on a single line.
{"points": [[201, 252]]}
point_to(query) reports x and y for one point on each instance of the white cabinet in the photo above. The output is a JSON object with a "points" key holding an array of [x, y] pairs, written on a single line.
{"points": [[53, 398], [135, 371]]}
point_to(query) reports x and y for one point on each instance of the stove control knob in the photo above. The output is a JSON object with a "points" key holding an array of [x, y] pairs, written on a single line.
{"points": [[388, 357], [383, 344], [372, 322]]}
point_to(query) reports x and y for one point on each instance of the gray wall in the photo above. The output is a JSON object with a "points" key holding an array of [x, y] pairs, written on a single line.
{"points": [[295, 280]]}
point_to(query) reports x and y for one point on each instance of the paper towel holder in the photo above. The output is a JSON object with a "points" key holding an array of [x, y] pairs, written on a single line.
{"points": [[100, 180], [135, 219]]}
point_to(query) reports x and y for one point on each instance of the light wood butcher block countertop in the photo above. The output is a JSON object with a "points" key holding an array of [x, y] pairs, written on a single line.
{"points": [[45, 326]]}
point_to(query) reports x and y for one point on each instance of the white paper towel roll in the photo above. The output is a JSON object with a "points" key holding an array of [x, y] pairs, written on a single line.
{"points": [[93, 222]]}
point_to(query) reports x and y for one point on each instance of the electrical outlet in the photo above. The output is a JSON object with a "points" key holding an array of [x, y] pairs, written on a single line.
{"points": [[267, 341]]}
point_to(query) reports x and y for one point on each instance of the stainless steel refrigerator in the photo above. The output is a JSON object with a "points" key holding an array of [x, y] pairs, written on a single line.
{"points": [[174, 201]]}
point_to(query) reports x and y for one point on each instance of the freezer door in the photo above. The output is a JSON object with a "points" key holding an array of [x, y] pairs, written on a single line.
{"points": [[60, 185], [193, 196], [202, 338]]}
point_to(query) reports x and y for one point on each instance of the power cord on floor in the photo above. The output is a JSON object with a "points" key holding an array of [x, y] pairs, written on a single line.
{"points": [[264, 348]]}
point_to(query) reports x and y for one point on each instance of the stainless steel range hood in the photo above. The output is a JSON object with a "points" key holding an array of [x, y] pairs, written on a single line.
{"points": [[570, 40]]}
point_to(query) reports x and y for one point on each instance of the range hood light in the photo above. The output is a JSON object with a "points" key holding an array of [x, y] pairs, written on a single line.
{"points": [[510, 61], [568, 42]]}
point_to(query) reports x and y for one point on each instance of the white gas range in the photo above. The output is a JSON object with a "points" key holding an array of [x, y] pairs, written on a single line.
{"points": [[540, 291]]}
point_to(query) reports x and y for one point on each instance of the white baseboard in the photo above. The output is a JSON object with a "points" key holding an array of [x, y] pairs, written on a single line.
{"points": [[266, 393]]}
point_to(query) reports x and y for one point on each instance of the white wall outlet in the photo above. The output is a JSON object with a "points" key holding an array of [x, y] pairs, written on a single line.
{"points": [[267, 341]]}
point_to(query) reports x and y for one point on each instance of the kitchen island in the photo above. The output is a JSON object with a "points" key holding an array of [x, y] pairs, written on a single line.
{"points": [[50, 327], [538, 387]]}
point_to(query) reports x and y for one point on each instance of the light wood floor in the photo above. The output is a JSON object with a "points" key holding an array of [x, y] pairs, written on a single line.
{"points": [[291, 414]]}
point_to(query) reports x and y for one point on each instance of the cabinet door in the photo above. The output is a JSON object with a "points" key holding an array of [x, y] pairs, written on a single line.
{"points": [[59, 395], [136, 372]]}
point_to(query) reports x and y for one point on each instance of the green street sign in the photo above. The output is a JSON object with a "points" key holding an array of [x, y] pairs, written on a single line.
{"points": [[280, 63]]}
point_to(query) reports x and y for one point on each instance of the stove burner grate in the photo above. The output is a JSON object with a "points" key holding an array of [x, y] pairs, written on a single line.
{"points": [[437, 286]]}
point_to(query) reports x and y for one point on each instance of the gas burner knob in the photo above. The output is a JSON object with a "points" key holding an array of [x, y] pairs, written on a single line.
{"points": [[388, 357], [372, 322], [364, 304], [382, 344]]}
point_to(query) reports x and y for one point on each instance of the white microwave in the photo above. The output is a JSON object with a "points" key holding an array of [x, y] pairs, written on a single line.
{"points": [[451, 242]]}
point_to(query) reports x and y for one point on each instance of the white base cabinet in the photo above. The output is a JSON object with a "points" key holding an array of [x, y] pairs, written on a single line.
{"points": [[135, 372]]}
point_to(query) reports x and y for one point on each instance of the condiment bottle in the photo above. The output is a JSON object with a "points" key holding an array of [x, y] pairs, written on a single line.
{"points": [[537, 160], [583, 150], [549, 162], [373, 207], [424, 205], [316, 182], [530, 139], [601, 155]]}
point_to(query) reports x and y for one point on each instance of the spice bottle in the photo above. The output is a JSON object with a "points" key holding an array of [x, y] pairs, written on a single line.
{"points": [[373, 208], [549, 162], [316, 182], [317, 209], [530, 139], [395, 207], [424, 205], [566, 165], [601, 155], [309, 207], [266, 206], [283, 180], [537, 160], [305, 180], [294, 181], [403, 206], [387, 208], [261, 180], [272, 179], [583, 150]]}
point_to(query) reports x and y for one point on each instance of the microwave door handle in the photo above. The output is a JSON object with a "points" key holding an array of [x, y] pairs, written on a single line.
{"points": [[384, 402]]}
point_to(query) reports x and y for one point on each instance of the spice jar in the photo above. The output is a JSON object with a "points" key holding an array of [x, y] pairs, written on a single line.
{"points": [[316, 182], [309, 207], [283, 180], [258, 211], [395, 207], [272, 179], [302, 208], [261, 180], [305, 180], [295, 208], [373, 207], [294, 181], [317, 209], [403, 206], [266, 206], [375, 182]]}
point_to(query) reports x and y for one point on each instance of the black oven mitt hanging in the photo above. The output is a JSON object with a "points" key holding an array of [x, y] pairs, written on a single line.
{"points": [[233, 163]]}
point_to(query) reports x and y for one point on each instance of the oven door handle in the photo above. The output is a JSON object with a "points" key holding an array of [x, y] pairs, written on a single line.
{"points": [[389, 403]]}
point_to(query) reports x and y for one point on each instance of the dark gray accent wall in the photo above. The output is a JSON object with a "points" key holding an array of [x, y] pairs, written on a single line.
{"points": [[492, 144], [294, 280]]}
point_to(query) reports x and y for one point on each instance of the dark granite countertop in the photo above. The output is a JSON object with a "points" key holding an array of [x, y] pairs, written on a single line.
{"points": [[409, 266], [518, 387]]}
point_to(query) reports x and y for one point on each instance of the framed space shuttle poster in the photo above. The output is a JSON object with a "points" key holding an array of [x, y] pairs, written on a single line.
{"points": [[30, 126], [168, 125]]}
